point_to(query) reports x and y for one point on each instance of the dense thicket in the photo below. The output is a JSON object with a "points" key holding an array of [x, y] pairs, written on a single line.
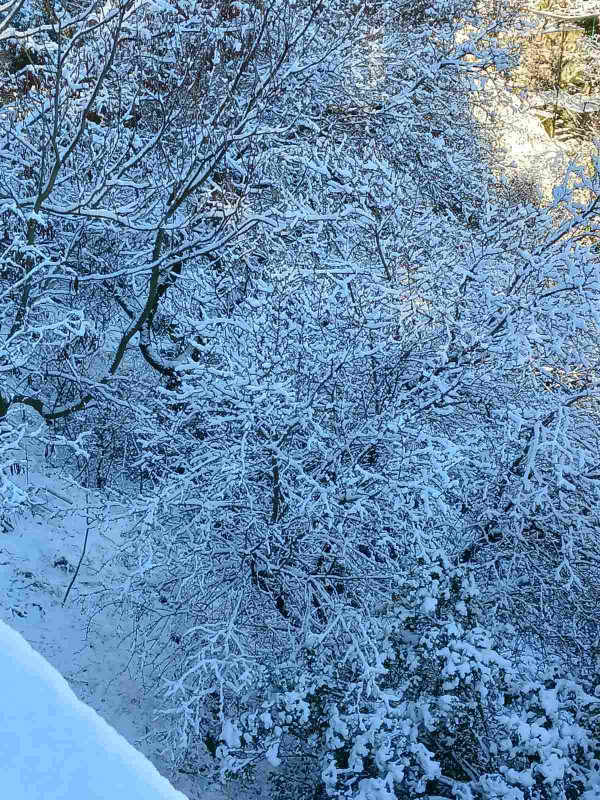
{"points": [[257, 275]]}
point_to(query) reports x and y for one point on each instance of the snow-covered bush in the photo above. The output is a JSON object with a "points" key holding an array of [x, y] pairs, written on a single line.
{"points": [[399, 364], [417, 701]]}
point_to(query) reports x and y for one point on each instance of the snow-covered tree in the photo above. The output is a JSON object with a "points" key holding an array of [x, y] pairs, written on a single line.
{"points": [[405, 363], [257, 252], [354, 423], [133, 140]]}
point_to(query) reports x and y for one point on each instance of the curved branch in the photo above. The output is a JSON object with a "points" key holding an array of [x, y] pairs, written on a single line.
{"points": [[50, 416]]}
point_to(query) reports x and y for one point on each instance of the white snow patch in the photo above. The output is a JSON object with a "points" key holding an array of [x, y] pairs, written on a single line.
{"points": [[54, 747]]}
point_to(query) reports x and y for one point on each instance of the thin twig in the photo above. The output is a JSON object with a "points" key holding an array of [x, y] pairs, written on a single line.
{"points": [[59, 496], [85, 541]]}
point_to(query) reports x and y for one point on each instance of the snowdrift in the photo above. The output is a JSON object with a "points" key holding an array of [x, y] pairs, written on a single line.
{"points": [[54, 747]]}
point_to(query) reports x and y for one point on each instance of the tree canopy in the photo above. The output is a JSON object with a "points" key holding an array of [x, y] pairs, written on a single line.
{"points": [[259, 276]]}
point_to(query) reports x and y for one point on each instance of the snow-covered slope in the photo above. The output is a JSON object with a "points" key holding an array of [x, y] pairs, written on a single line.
{"points": [[86, 640], [39, 552], [54, 747]]}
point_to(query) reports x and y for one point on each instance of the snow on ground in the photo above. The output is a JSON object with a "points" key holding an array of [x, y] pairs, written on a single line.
{"points": [[536, 157], [54, 747], [39, 551], [531, 157]]}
